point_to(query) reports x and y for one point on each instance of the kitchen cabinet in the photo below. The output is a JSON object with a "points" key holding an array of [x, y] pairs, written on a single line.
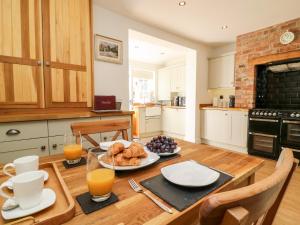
{"points": [[147, 121], [221, 72], [225, 127], [45, 59], [67, 47], [173, 121], [11, 150], [239, 123], [21, 77], [163, 85], [153, 124], [44, 137], [177, 78], [170, 79], [216, 125]]}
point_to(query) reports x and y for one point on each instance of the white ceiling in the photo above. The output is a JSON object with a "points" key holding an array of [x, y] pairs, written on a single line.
{"points": [[201, 20], [148, 49]]}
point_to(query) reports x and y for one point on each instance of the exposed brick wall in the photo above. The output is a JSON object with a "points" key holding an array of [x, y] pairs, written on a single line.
{"points": [[256, 44]]}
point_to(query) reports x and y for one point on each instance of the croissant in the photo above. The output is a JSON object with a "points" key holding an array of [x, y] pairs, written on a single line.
{"points": [[134, 150], [120, 160], [116, 148]]}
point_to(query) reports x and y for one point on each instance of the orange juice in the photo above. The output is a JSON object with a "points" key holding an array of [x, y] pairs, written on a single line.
{"points": [[72, 151], [100, 181]]}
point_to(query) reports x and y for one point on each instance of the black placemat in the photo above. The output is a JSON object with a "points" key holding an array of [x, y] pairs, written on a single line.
{"points": [[89, 206], [167, 158], [181, 197], [81, 163]]}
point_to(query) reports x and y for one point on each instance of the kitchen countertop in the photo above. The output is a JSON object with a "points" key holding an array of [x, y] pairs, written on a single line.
{"points": [[223, 108], [174, 107], [19, 117]]}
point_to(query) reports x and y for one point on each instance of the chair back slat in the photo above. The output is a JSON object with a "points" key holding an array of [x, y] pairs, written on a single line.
{"points": [[101, 126], [257, 199]]}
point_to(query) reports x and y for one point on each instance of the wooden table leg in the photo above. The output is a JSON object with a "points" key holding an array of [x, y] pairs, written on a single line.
{"points": [[251, 179]]}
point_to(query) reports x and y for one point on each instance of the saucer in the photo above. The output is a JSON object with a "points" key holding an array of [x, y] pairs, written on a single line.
{"points": [[48, 199], [9, 183]]}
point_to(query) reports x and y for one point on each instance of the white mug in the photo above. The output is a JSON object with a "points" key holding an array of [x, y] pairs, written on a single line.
{"points": [[28, 188], [22, 165]]}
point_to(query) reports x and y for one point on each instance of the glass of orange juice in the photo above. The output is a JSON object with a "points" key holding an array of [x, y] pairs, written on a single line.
{"points": [[72, 151], [100, 179]]}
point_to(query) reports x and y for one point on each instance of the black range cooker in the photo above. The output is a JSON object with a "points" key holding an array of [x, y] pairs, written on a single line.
{"points": [[270, 130]]}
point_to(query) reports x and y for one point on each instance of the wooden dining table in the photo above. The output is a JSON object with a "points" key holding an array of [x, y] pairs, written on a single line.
{"points": [[135, 208]]}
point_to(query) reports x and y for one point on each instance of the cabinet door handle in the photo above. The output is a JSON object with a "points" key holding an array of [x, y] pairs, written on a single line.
{"points": [[43, 148], [47, 63], [39, 62], [54, 146], [13, 132]]}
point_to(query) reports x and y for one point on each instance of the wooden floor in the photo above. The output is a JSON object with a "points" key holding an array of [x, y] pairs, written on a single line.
{"points": [[289, 211]]}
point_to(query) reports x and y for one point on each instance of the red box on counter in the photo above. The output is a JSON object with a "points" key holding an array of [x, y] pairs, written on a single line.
{"points": [[104, 102]]}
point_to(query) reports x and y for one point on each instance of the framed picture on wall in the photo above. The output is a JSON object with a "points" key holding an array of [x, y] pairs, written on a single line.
{"points": [[108, 49]]}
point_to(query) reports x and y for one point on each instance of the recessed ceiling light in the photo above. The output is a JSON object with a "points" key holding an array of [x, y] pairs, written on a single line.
{"points": [[182, 3], [224, 27]]}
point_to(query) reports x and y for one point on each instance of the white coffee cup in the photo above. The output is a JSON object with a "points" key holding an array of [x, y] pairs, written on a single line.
{"points": [[22, 165], [28, 188]]}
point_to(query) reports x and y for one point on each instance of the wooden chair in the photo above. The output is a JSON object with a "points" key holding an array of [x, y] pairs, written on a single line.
{"points": [[255, 204], [86, 128]]}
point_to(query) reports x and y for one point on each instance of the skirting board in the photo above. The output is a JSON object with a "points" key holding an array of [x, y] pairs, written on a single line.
{"points": [[225, 146], [178, 136]]}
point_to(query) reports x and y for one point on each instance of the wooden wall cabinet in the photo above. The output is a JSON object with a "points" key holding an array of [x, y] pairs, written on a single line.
{"points": [[45, 54]]}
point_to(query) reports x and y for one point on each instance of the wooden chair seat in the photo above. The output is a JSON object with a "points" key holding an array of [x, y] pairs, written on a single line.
{"points": [[254, 204], [86, 128]]}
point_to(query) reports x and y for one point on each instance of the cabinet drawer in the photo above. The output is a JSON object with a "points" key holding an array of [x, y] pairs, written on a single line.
{"points": [[56, 144], [15, 149], [153, 125], [60, 127], [23, 130]]}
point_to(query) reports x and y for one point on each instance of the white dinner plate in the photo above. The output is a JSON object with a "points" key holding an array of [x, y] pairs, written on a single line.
{"points": [[105, 145], [177, 150], [151, 158], [9, 183], [190, 174], [48, 199]]}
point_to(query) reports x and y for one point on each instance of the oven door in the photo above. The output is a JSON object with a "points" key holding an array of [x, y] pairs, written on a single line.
{"points": [[290, 133], [264, 145], [264, 126]]}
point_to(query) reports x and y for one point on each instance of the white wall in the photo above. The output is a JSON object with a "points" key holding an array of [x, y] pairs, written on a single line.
{"points": [[114, 79], [222, 50]]}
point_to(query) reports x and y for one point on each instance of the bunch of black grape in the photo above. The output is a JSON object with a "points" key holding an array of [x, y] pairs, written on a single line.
{"points": [[162, 144]]}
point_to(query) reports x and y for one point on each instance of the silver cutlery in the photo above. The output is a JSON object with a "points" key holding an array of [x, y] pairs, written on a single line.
{"points": [[138, 189]]}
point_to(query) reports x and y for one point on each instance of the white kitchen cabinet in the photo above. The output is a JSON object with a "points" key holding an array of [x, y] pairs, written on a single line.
{"points": [[153, 124], [163, 84], [173, 121], [170, 79], [147, 121], [224, 127], [216, 125], [239, 123], [221, 72], [177, 78]]}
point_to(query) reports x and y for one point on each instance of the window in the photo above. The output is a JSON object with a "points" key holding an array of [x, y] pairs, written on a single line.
{"points": [[143, 86]]}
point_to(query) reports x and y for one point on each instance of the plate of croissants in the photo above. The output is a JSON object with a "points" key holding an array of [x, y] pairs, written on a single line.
{"points": [[127, 158]]}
